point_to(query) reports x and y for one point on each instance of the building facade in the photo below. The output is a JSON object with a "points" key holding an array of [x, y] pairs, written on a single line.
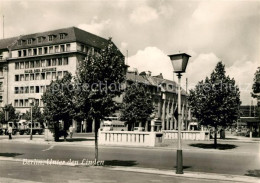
{"points": [[29, 63]]}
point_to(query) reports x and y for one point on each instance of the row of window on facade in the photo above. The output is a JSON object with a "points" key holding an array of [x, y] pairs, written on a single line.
{"points": [[42, 63], [40, 76], [25, 102], [44, 50], [40, 39], [30, 89]]}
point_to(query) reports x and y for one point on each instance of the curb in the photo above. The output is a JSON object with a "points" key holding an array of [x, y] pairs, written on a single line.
{"points": [[187, 174], [164, 148]]}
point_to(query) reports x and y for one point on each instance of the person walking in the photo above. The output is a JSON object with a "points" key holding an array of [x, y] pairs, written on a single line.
{"points": [[10, 131], [71, 131]]}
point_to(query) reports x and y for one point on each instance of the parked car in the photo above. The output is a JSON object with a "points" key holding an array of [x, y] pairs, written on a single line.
{"points": [[138, 129]]}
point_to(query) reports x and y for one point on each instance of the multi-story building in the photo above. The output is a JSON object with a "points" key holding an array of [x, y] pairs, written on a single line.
{"points": [[29, 63]]}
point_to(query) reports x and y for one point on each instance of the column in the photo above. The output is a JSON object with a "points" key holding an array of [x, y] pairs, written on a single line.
{"points": [[163, 115], [167, 116], [172, 118]]}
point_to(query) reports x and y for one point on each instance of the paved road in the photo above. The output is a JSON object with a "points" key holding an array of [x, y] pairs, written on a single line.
{"points": [[13, 172], [226, 162]]}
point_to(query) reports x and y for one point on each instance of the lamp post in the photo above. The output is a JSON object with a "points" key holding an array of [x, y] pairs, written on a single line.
{"points": [[179, 63], [31, 101]]}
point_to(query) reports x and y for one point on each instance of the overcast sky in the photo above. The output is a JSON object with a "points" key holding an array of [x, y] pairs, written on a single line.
{"points": [[210, 31]]}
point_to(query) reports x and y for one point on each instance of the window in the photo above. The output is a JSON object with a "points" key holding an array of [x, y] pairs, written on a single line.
{"points": [[50, 37], [56, 49], [17, 65], [62, 36], [29, 52], [43, 89], [16, 103], [21, 65], [43, 63], [54, 75], [67, 47], [35, 51], [40, 51], [21, 77], [20, 42], [39, 39], [62, 48], [59, 74], [19, 53], [1, 71], [29, 41], [31, 77], [51, 49], [48, 62], [65, 61], [26, 89], [65, 72], [45, 50], [16, 90], [31, 64], [26, 65], [37, 89], [59, 61], [38, 63], [31, 89], [54, 62], [21, 103], [1, 86], [48, 76], [26, 77], [82, 48], [24, 53], [37, 76], [42, 76], [21, 89], [26, 103], [16, 77]]}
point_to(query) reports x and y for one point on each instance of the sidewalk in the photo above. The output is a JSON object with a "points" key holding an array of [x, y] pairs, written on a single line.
{"points": [[68, 173]]}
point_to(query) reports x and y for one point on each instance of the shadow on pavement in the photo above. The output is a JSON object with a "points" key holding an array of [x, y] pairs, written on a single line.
{"points": [[76, 140], [211, 146], [10, 154], [120, 163], [184, 167], [253, 173]]}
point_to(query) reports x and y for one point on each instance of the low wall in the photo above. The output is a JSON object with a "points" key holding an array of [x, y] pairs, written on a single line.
{"points": [[130, 138], [186, 135]]}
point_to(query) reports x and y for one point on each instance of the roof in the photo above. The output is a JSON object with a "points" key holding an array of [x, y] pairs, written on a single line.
{"points": [[72, 34], [4, 43], [250, 119], [165, 84]]}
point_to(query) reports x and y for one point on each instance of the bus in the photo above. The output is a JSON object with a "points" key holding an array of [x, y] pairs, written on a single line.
{"points": [[113, 124]]}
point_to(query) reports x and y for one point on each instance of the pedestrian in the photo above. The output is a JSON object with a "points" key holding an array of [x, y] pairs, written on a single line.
{"points": [[10, 131], [71, 131]]}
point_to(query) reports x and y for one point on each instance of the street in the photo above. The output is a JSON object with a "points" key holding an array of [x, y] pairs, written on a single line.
{"points": [[236, 161]]}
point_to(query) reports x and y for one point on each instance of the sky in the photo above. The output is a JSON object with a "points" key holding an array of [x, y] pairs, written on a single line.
{"points": [[149, 30]]}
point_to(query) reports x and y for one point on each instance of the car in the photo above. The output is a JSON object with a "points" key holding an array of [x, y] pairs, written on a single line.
{"points": [[138, 129]]}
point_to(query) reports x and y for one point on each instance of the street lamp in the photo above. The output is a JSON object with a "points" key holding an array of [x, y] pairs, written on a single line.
{"points": [[179, 63], [31, 101]]}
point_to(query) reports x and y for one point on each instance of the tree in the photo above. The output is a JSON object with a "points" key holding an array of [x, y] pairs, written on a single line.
{"points": [[98, 81], [256, 86], [36, 114], [137, 105], [215, 101], [59, 105], [9, 110]]}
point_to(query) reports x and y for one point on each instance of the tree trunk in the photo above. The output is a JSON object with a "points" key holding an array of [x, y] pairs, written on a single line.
{"points": [[140, 124], [96, 139], [215, 137], [56, 131]]}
